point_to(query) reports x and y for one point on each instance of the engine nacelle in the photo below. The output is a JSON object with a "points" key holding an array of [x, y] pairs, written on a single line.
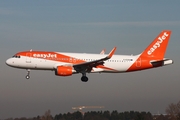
{"points": [[64, 71]]}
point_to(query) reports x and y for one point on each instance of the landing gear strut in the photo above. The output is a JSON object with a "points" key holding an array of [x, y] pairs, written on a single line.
{"points": [[84, 78], [28, 72]]}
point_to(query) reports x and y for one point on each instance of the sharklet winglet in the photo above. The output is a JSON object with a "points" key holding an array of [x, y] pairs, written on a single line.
{"points": [[111, 53]]}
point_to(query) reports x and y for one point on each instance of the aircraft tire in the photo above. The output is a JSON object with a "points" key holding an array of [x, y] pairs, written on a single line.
{"points": [[84, 79], [27, 76]]}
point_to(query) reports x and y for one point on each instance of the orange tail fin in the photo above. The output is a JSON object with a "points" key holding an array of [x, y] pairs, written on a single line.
{"points": [[158, 47]]}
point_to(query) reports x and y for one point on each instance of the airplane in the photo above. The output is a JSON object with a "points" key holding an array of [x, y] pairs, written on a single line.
{"points": [[67, 64]]}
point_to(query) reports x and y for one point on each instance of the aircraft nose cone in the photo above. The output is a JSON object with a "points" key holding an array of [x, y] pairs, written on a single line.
{"points": [[9, 62]]}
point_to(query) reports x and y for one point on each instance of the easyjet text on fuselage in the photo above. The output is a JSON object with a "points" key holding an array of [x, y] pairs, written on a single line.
{"points": [[48, 55]]}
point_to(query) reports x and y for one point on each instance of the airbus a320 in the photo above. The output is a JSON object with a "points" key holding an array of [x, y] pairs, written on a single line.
{"points": [[67, 64]]}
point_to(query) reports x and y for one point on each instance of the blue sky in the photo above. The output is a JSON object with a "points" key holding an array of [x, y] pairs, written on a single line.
{"points": [[87, 26]]}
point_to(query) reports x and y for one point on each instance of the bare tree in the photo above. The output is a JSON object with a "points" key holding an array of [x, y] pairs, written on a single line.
{"points": [[174, 111], [47, 116]]}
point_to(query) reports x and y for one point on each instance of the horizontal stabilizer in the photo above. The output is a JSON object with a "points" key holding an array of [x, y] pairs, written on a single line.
{"points": [[162, 62]]}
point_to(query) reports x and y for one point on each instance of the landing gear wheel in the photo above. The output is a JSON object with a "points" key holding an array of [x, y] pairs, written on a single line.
{"points": [[27, 76], [28, 72], [84, 79]]}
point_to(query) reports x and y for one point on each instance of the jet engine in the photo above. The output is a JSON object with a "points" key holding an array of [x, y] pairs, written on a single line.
{"points": [[64, 71]]}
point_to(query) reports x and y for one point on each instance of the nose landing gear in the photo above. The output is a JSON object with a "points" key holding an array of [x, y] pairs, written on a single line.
{"points": [[28, 74]]}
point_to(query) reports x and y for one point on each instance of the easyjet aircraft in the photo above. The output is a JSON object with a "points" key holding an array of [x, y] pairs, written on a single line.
{"points": [[66, 64]]}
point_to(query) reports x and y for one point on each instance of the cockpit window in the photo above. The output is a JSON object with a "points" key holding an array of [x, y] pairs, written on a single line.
{"points": [[16, 56]]}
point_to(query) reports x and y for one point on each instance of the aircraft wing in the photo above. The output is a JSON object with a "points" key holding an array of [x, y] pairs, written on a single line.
{"points": [[87, 66]]}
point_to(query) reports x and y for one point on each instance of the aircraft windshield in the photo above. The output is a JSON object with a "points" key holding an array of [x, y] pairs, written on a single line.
{"points": [[16, 56]]}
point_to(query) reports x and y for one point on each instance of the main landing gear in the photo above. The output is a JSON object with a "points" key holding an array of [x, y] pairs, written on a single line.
{"points": [[84, 78], [28, 72]]}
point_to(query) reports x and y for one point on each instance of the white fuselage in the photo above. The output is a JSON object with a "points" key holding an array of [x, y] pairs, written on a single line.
{"points": [[118, 63]]}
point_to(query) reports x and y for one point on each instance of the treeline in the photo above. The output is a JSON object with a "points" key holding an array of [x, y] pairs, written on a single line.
{"points": [[96, 115], [106, 115], [172, 113]]}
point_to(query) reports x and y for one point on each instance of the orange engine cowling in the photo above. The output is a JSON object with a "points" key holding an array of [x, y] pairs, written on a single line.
{"points": [[64, 71]]}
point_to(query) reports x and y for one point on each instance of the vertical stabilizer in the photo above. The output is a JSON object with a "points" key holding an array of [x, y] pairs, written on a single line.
{"points": [[158, 47]]}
